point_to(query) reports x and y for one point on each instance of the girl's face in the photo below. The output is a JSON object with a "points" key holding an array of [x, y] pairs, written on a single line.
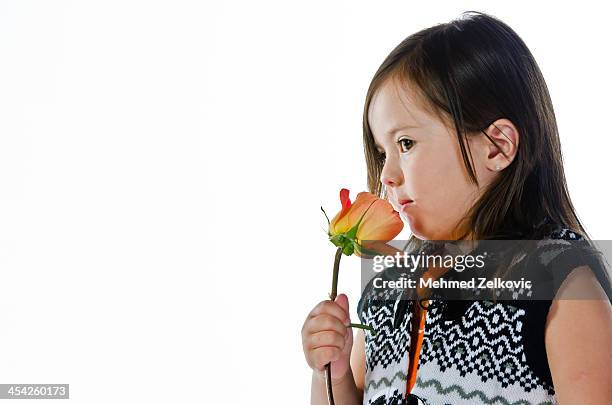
{"points": [[423, 164]]}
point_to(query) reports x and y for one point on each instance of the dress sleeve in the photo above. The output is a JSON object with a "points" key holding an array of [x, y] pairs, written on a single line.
{"points": [[560, 258]]}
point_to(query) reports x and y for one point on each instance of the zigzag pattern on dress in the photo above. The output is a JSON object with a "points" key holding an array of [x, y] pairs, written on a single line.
{"points": [[471, 395], [486, 340], [389, 345], [386, 382]]}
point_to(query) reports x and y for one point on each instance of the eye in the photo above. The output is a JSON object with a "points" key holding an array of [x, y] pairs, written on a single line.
{"points": [[405, 144]]}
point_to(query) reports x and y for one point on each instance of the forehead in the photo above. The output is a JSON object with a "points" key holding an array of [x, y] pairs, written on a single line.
{"points": [[393, 106]]}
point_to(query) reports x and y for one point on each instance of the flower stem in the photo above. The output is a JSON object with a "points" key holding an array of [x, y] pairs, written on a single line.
{"points": [[361, 326], [334, 289], [332, 296]]}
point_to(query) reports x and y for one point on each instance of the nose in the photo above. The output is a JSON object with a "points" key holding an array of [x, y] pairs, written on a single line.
{"points": [[391, 175]]}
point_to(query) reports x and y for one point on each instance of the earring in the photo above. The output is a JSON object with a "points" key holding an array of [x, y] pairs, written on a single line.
{"points": [[497, 167]]}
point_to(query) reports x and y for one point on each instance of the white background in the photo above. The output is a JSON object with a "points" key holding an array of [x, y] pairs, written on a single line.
{"points": [[162, 165]]}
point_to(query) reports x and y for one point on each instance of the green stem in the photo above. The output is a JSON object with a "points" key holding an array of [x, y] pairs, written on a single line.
{"points": [[361, 326], [334, 289]]}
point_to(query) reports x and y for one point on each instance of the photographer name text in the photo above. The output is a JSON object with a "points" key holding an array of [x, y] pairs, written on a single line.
{"points": [[475, 282]]}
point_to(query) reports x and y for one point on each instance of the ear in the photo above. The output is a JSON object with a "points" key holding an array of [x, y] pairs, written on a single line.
{"points": [[506, 136]]}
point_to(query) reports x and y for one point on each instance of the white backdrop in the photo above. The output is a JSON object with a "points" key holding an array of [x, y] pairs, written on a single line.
{"points": [[162, 164]]}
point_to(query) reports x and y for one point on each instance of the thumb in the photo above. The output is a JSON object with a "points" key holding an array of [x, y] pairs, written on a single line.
{"points": [[342, 301]]}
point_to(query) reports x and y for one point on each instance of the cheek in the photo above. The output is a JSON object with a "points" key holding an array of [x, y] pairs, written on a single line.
{"points": [[452, 187], [442, 190], [431, 180]]}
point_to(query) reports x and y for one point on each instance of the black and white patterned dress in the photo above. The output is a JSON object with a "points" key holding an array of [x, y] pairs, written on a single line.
{"points": [[473, 352]]}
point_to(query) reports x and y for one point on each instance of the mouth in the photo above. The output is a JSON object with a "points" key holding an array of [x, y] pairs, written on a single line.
{"points": [[404, 201]]}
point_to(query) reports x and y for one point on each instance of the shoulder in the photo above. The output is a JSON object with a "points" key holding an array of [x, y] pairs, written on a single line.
{"points": [[582, 275], [565, 252]]}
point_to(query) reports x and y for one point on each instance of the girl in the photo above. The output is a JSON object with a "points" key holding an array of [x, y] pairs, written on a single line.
{"points": [[460, 136]]}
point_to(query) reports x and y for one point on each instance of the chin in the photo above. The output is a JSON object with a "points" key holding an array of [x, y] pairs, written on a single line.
{"points": [[416, 227], [422, 232]]}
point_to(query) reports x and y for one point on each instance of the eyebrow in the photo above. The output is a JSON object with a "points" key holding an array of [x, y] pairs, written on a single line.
{"points": [[392, 132]]}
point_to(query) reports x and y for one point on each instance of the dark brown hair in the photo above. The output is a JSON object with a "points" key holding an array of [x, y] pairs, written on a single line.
{"points": [[471, 72]]}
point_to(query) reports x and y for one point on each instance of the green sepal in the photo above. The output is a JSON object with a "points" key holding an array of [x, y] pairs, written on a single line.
{"points": [[342, 241], [348, 249]]}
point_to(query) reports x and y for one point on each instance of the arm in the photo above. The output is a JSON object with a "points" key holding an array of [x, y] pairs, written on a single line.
{"points": [[345, 391], [349, 389], [578, 340]]}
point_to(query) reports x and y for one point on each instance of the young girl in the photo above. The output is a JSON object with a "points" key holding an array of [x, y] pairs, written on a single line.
{"points": [[460, 136]]}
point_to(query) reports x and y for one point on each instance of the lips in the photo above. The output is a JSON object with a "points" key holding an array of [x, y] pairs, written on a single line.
{"points": [[403, 201]]}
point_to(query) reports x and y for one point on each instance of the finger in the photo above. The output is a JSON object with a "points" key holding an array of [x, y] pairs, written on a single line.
{"points": [[342, 301], [324, 322], [325, 339], [324, 355], [331, 308]]}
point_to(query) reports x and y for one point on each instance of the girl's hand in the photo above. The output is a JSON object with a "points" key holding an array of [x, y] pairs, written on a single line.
{"points": [[326, 337]]}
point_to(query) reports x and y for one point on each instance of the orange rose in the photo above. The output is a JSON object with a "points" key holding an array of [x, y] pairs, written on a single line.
{"points": [[367, 219]]}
